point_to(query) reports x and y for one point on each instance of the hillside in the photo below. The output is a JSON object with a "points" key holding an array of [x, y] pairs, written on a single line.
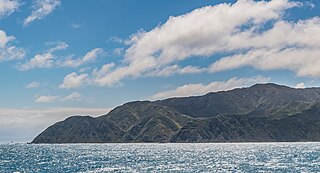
{"points": [[263, 112]]}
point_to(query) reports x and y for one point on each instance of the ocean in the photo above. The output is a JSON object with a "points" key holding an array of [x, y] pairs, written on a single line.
{"points": [[202, 157]]}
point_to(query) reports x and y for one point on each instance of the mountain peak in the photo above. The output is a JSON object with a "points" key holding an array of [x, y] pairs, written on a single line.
{"points": [[262, 112], [269, 85]]}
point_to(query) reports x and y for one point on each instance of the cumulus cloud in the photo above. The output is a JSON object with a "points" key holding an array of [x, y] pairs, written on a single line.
{"points": [[7, 50], [300, 85], [260, 38], [118, 51], [45, 60], [33, 85], [175, 69], [4, 39], [46, 99], [116, 40], [290, 46], [48, 59], [25, 124], [75, 96], [90, 56], [8, 6], [202, 32], [71, 97], [60, 45], [73, 80], [41, 9], [105, 69], [201, 89], [38, 61]]}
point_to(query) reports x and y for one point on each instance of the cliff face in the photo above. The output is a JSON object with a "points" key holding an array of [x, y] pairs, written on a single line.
{"points": [[263, 112]]}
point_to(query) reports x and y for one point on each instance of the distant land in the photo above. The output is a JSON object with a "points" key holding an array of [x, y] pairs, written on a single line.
{"points": [[260, 113]]}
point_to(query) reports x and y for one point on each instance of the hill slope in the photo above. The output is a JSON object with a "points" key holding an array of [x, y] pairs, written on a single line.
{"points": [[263, 112]]}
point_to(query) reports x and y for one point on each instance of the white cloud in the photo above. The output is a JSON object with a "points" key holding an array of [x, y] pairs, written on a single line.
{"points": [[202, 32], [8, 6], [73, 80], [38, 61], [289, 46], [201, 89], [71, 97], [309, 4], [77, 25], [4, 39], [175, 69], [84, 69], [46, 99], [90, 56], [300, 85], [25, 124], [98, 73], [116, 40], [60, 45], [7, 51], [45, 60], [259, 37], [75, 96], [118, 51], [33, 85], [41, 8], [48, 59]]}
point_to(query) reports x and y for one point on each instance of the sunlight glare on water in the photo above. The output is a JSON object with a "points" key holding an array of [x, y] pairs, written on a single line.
{"points": [[210, 157]]}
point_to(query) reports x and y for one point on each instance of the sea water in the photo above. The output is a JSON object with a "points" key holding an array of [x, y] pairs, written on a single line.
{"points": [[204, 157]]}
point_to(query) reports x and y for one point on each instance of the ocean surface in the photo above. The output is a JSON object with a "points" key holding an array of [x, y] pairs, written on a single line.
{"points": [[223, 157]]}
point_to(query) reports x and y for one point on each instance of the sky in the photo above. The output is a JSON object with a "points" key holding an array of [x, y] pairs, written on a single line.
{"points": [[60, 58]]}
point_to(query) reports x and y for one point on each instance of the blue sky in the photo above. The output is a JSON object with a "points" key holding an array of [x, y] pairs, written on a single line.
{"points": [[58, 58]]}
